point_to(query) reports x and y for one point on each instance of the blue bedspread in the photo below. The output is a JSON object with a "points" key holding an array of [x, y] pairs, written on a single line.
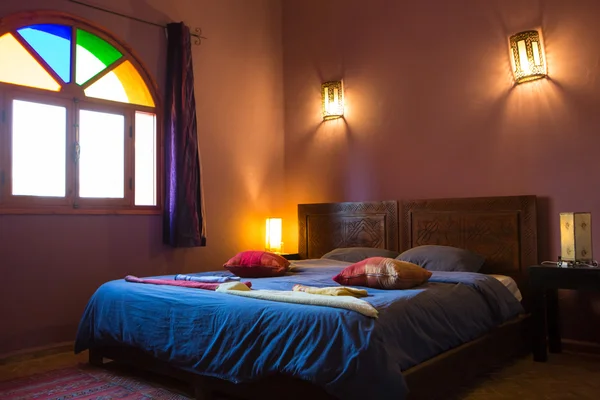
{"points": [[242, 339]]}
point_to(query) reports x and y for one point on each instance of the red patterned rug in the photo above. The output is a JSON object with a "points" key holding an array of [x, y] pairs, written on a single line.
{"points": [[86, 382]]}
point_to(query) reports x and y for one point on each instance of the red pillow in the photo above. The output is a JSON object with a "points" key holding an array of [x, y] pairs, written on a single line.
{"points": [[383, 273], [257, 264]]}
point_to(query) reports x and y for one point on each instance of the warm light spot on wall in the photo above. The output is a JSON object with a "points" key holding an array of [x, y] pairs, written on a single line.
{"points": [[527, 56]]}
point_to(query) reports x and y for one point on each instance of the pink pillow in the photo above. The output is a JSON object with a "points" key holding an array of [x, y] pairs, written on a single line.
{"points": [[383, 273], [257, 264]]}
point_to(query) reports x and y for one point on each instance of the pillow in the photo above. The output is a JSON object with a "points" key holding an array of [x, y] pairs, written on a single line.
{"points": [[356, 254], [257, 264], [383, 273], [443, 258]]}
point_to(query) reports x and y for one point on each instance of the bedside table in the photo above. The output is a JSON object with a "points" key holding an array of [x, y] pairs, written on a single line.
{"points": [[544, 282], [291, 256]]}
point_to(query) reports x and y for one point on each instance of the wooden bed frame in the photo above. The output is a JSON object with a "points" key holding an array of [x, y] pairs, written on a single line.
{"points": [[503, 229]]}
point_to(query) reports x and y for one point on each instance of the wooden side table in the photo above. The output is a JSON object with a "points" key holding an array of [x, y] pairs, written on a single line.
{"points": [[291, 256], [544, 281]]}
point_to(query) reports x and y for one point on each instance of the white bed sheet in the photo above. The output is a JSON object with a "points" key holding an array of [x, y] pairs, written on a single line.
{"points": [[510, 285]]}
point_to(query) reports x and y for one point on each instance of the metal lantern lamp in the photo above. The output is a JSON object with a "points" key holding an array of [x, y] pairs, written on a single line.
{"points": [[527, 56], [332, 96]]}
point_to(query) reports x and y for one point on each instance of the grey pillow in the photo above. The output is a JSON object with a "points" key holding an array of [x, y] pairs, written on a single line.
{"points": [[443, 258], [356, 254]]}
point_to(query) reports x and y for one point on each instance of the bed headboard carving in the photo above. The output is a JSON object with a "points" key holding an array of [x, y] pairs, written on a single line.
{"points": [[326, 226], [503, 229]]}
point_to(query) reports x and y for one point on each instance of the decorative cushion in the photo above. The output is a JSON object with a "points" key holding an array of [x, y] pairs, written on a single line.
{"points": [[443, 258], [257, 264], [356, 254], [383, 273]]}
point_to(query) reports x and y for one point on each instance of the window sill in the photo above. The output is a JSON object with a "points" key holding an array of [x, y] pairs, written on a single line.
{"points": [[76, 211]]}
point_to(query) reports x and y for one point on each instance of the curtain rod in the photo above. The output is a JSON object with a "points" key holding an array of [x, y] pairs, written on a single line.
{"points": [[197, 31]]}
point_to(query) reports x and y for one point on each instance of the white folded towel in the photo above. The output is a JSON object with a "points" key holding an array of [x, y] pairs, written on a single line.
{"points": [[346, 302]]}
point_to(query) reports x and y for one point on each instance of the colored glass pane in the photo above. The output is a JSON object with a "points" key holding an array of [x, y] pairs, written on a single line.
{"points": [[93, 56], [123, 84], [20, 68], [53, 44]]}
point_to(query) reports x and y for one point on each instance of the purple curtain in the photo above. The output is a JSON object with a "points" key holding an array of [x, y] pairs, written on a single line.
{"points": [[183, 222]]}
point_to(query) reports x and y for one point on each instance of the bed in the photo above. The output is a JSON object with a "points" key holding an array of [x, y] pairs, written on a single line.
{"points": [[278, 346]]}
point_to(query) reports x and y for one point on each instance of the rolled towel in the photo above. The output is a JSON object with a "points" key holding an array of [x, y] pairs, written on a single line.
{"points": [[331, 291], [189, 284], [206, 278]]}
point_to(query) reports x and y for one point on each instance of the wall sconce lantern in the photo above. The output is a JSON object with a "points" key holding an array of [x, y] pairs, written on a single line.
{"points": [[273, 237], [332, 94], [527, 56], [575, 238]]}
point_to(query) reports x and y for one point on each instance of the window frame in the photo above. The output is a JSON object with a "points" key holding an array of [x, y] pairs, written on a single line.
{"points": [[4, 152], [73, 95], [34, 201], [87, 202]]}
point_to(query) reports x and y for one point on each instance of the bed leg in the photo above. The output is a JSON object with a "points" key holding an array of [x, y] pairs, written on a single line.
{"points": [[95, 357], [201, 392], [203, 389]]}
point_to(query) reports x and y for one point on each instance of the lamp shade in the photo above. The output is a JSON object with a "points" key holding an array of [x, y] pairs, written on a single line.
{"points": [[332, 96], [273, 235], [527, 56], [576, 237]]}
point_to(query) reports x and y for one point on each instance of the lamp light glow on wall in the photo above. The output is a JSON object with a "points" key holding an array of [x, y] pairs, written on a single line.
{"points": [[273, 237], [527, 56], [332, 96]]}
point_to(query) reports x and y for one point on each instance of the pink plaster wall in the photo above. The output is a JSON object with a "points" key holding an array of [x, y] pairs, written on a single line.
{"points": [[432, 112], [50, 265]]}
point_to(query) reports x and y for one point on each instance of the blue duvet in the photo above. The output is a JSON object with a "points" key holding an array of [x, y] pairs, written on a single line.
{"points": [[243, 339]]}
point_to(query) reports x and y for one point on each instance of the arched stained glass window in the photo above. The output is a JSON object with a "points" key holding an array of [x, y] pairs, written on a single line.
{"points": [[79, 130], [41, 56]]}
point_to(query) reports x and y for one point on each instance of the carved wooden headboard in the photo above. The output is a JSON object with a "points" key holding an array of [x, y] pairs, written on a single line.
{"points": [[503, 229], [326, 226]]}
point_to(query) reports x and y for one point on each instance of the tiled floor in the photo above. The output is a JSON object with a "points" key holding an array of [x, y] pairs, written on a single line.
{"points": [[564, 377], [31, 364]]}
